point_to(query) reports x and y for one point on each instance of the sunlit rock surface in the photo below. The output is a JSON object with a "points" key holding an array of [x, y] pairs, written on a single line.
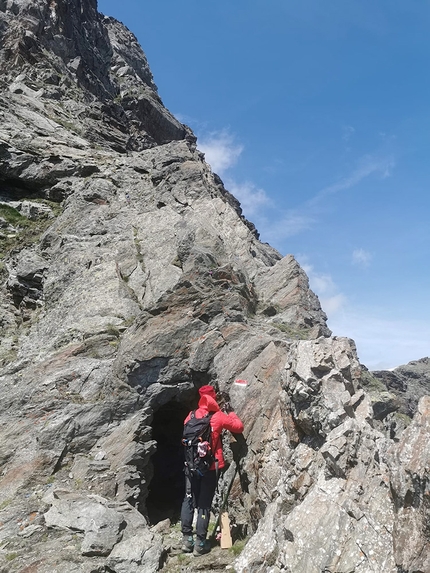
{"points": [[129, 278]]}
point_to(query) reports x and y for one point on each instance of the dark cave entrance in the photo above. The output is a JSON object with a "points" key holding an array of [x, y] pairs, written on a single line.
{"points": [[166, 490]]}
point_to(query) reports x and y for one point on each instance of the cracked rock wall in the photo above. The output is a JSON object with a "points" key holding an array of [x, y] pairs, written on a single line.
{"points": [[129, 278]]}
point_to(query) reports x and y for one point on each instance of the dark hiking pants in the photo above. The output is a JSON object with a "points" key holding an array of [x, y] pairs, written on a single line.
{"points": [[199, 494]]}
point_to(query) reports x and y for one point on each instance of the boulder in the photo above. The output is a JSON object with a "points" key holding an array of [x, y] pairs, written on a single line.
{"points": [[102, 526]]}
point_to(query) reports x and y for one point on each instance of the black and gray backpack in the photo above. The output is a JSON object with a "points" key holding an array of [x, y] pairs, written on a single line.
{"points": [[197, 441]]}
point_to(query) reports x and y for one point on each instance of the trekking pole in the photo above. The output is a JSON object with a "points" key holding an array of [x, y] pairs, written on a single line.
{"points": [[223, 504], [240, 441]]}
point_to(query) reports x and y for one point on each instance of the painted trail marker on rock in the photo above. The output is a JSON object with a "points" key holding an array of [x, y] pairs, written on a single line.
{"points": [[241, 383]]}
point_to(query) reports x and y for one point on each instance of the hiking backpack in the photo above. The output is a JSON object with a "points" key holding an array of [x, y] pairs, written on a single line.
{"points": [[197, 445]]}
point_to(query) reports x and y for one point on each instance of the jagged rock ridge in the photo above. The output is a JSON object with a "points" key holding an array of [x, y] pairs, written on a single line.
{"points": [[408, 383], [131, 278]]}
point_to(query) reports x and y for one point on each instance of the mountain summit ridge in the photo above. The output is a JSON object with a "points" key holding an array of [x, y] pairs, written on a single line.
{"points": [[91, 70]]}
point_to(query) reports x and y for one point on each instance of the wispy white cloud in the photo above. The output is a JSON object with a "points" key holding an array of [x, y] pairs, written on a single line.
{"points": [[368, 165], [222, 152], [288, 223], [361, 258], [332, 300], [277, 226], [322, 283], [250, 196], [183, 118], [382, 343], [220, 149], [332, 305], [347, 132], [283, 225]]}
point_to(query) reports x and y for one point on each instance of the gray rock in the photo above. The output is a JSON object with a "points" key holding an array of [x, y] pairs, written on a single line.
{"points": [[26, 279], [34, 211], [146, 283], [409, 462], [408, 383], [138, 553], [101, 525]]}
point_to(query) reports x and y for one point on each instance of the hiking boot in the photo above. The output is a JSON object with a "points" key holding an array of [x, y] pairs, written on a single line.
{"points": [[187, 544], [202, 547]]}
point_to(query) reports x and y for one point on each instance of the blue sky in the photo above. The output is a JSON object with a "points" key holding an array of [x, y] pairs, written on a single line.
{"points": [[316, 114]]}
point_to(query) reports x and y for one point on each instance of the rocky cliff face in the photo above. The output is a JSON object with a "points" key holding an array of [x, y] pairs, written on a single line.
{"points": [[408, 383], [129, 279]]}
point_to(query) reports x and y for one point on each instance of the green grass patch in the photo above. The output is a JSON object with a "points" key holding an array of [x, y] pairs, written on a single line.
{"points": [[79, 483], [177, 263], [74, 398], [238, 547], [13, 217], [27, 232], [371, 383], [56, 208], [5, 503], [7, 357], [291, 332], [138, 247], [112, 330], [403, 418]]}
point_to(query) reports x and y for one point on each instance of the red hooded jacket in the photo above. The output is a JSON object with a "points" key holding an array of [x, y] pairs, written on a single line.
{"points": [[219, 421]]}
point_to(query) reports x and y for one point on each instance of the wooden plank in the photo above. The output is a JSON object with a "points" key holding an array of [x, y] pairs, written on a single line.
{"points": [[226, 541]]}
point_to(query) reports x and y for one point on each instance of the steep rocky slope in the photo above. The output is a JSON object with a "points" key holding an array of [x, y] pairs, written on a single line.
{"points": [[129, 279], [408, 383]]}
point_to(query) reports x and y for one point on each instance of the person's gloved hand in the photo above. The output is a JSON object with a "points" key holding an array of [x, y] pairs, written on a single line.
{"points": [[227, 408]]}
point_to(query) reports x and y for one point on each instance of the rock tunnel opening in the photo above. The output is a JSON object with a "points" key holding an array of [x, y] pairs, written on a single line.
{"points": [[166, 489]]}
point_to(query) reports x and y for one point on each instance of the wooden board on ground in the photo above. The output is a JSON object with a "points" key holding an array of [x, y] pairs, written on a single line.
{"points": [[226, 541]]}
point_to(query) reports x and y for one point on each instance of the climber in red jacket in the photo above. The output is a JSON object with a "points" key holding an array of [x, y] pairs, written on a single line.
{"points": [[200, 490]]}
